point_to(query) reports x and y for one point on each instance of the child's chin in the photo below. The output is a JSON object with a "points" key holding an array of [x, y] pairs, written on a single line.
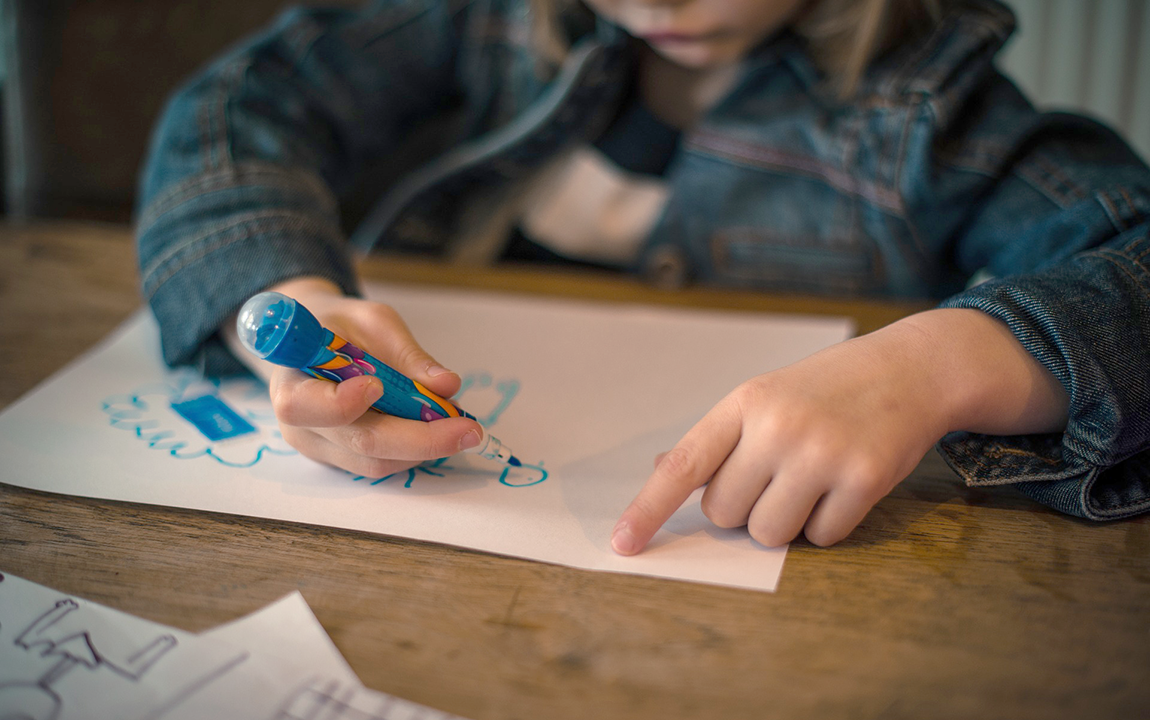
{"points": [[696, 56]]}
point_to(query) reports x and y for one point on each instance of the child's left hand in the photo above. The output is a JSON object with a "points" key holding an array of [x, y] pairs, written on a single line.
{"points": [[813, 446]]}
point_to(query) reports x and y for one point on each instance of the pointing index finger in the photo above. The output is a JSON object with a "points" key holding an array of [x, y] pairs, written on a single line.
{"points": [[687, 467]]}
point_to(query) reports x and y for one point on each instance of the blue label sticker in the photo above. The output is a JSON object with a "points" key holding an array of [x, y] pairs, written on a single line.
{"points": [[213, 418]]}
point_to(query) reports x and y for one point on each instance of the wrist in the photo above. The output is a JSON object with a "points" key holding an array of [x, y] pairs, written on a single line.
{"points": [[311, 291], [985, 380], [308, 287]]}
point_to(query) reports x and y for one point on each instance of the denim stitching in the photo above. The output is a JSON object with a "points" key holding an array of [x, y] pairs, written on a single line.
{"points": [[848, 280], [908, 70], [1138, 258], [203, 117], [1106, 253], [917, 81], [983, 474], [387, 22], [222, 226], [1037, 181], [997, 451], [231, 79], [983, 156], [1127, 213], [205, 183], [900, 165], [211, 115], [1112, 212], [770, 158], [1074, 191], [1135, 211], [151, 277], [987, 475]]}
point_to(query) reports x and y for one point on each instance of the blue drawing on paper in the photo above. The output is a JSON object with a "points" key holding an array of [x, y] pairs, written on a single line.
{"points": [[188, 416], [524, 476], [231, 422], [478, 385], [213, 417], [487, 399]]}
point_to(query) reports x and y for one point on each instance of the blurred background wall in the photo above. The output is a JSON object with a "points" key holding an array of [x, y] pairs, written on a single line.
{"points": [[1092, 56], [82, 82]]}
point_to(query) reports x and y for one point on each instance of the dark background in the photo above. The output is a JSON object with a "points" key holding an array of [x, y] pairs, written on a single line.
{"points": [[84, 82]]}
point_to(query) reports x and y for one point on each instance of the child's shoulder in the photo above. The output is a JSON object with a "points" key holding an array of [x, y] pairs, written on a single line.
{"points": [[956, 54]]}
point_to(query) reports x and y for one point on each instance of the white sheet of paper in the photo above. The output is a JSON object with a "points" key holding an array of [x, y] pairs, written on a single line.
{"points": [[293, 671], [64, 658], [286, 629], [584, 393]]}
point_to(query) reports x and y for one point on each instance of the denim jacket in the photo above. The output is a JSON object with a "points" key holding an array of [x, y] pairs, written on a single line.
{"points": [[938, 170]]}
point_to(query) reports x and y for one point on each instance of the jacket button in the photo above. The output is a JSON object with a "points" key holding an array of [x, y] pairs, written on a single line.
{"points": [[667, 268]]}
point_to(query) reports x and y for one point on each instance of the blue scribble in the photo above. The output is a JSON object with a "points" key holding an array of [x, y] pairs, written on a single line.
{"points": [[467, 397], [411, 472], [524, 470], [150, 413], [470, 396]]}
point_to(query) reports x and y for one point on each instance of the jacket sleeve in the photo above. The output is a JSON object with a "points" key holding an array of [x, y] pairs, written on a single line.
{"points": [[1055, 210], [240, 187]]}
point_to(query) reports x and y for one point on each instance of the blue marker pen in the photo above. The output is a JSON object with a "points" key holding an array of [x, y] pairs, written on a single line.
{"points": [[278, 329]]}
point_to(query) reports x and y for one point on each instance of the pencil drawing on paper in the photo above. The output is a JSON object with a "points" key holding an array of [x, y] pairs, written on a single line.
{"points": [[325, 699], [61, 636]]}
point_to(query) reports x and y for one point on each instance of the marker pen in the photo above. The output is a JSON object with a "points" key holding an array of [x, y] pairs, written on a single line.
{"points": [[278, 329]]}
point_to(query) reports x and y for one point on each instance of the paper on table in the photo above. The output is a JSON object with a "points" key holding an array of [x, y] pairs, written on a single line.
{"points": [[584, 393], [294, 672], [63, 657], [287, 629]]}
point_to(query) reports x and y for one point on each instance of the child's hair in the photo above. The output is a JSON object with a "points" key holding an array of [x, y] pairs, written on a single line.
{"points": [[844, 36]]}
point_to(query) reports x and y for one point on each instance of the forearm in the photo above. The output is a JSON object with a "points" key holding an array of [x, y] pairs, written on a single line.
{"points": [[986, 382], [240, 189]]}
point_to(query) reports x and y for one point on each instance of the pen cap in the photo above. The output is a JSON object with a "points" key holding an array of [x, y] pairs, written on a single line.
{"points": [[278, 329]]}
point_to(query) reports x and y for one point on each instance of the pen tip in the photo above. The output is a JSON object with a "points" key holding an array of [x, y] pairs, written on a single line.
{"points": [[514, 462]]}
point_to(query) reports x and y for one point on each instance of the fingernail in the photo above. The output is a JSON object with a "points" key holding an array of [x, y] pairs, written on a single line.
{"points": [[622, 540], [372, 390], [469, 440], [435, 370]]}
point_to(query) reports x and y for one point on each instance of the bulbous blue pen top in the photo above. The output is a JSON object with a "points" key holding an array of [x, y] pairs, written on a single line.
{"points": [[278, 329]]}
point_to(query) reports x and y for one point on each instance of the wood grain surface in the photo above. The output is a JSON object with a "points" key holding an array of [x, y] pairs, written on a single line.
{"points": [[947, 602]]}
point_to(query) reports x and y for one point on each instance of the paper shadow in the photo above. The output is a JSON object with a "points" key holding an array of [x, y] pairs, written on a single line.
{"points": [[597, 489]]}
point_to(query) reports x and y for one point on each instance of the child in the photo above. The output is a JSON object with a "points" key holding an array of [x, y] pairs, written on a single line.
{"points": [[837, 146]]}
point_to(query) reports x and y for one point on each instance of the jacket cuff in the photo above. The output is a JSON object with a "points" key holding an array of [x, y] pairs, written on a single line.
{"points": [[202, 259], [1035, 465], [1086, 321]]}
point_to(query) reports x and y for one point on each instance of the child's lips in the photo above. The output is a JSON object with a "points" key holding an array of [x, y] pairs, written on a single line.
{"points": [[668, 38]]}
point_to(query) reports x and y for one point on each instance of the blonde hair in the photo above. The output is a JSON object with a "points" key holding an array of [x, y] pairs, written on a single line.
{"points": [[844, 36]]}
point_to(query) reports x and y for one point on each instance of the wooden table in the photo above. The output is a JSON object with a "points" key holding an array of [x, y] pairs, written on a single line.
{"points": [[947, 602]]}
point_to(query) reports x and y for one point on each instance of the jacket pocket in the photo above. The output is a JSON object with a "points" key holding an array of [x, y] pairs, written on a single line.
{"points": [[765, 258]]}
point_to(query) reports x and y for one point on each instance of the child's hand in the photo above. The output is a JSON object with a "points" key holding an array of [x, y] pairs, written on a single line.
{"points": [[813, 446], [330, 422]]}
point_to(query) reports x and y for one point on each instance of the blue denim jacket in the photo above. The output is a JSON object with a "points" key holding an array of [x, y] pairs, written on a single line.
{"points": [[936, 171]]}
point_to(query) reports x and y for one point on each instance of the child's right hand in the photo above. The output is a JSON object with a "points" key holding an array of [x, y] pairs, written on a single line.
{"points": [[330, 422]]}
